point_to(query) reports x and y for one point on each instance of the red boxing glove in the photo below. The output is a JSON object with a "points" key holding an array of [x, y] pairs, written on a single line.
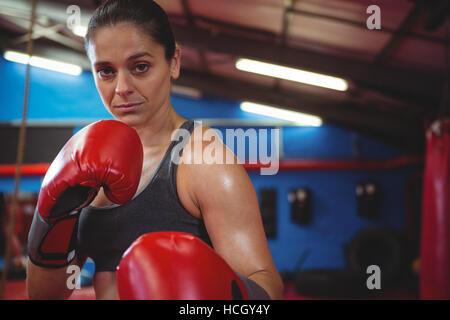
{"points": [[176, 266], [104, 154]]}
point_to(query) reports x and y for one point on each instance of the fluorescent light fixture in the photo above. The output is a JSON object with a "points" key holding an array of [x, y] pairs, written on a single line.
{"points": [[299, 118], [79, 30], [286, 73], [43, 63]]}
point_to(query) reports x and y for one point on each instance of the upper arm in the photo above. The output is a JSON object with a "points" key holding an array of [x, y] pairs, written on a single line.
{"points": [[230, 210]]}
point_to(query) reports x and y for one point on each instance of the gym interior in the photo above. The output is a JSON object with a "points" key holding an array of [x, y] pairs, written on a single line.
{"points": [[354, 194]]}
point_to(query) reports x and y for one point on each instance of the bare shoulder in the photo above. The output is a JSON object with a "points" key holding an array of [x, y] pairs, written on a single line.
{"points": [[209, 169], [206, 157], [205, 148]]}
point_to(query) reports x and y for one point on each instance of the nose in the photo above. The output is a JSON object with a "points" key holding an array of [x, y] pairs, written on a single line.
{"points": [[124, 86]]}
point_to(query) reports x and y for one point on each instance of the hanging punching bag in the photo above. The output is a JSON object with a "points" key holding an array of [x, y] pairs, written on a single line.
{"points": [[435, 242]]}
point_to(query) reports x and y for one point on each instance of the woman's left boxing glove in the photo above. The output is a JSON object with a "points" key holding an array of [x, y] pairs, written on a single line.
{"points": [[106, 154], [176, 266]]}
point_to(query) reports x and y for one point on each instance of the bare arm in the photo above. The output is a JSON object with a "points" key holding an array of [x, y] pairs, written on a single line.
{"points": [[49, 283], [228, 204]]}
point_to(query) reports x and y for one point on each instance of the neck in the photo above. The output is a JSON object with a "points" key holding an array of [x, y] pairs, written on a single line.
{"points": [[158, 130]]}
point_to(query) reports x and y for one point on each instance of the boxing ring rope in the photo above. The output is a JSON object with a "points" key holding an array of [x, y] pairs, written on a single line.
{"points": [[20, 153], [39, 169]]}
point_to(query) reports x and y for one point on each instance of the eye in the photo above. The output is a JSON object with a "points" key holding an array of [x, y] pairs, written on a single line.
{"points": [[141, 67], [105, 72]]}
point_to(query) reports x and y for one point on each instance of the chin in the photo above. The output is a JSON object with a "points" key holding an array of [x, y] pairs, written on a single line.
{"points": [[132, 120]]}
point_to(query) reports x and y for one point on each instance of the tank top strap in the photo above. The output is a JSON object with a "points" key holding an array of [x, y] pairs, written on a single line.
{"points": [[183, 134], [167, 169]]}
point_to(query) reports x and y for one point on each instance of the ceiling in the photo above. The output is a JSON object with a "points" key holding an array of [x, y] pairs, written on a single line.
{"points": [[398, 75]]}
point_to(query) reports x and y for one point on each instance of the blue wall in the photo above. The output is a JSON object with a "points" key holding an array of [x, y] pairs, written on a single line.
{"points": [[63, 97], [335, 220]]}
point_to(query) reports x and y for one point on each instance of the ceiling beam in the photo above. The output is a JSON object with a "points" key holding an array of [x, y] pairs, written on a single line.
{"points": [[406, 25], [362, 24], [39, 33], [409, 82], [201, 53], [47, 32], [287, 20]]}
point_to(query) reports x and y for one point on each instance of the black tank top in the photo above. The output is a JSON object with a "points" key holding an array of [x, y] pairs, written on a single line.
{"points": [[104, 233]]}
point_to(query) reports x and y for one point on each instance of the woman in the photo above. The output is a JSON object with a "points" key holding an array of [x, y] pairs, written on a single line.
{"points": [[134, 58]]}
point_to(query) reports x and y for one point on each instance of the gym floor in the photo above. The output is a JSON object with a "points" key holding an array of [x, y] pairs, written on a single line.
{"points": [[16, 290]]}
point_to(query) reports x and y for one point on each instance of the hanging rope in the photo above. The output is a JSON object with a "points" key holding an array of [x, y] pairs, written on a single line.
{"points": [[20, 153], [445, 102]]}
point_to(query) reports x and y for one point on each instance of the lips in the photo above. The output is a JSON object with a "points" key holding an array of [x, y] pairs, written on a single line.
{"points": [[128, 107]]}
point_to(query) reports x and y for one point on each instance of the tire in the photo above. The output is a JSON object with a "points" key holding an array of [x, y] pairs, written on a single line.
{"points": [[381, 246], [329, 283]]}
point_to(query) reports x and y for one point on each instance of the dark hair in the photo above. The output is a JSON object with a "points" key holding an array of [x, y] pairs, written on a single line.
{"points": [[145, 14]]}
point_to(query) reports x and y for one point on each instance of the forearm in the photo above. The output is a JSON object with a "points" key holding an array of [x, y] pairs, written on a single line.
{"points": [[271, 282], [48, 283]]}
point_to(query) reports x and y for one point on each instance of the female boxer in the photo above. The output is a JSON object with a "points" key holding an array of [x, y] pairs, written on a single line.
{"points": [[134, 57]]}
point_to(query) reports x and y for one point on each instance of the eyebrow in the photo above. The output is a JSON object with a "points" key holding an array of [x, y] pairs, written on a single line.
{"points": [[134, 56]]}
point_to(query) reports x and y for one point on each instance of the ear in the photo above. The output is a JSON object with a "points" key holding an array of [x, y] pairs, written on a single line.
{"points": [[175, 63]]}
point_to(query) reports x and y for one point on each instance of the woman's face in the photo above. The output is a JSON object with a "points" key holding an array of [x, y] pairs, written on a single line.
{"points": [[131, 73]]}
